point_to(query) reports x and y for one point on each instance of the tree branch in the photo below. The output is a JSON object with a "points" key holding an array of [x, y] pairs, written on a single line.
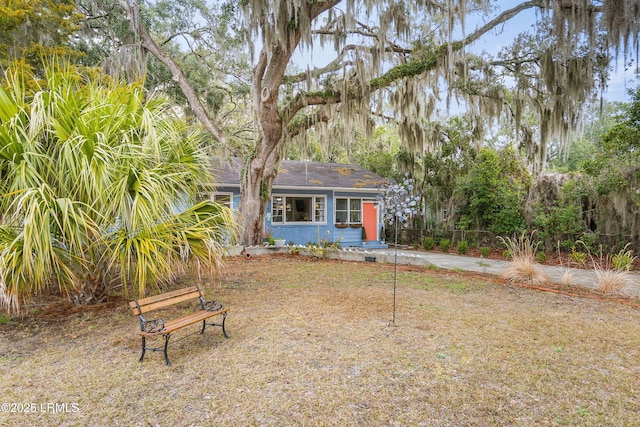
{"points": [[296, 127], [147, 42], [409, 69], [416, 67], [331, 67], [337, 63]]}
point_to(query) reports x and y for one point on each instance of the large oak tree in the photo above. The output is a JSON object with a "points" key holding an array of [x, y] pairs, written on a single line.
{"points": [[400, 59]]}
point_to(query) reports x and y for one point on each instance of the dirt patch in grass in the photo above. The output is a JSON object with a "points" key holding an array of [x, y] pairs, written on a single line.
{"points": [[311, 344]]}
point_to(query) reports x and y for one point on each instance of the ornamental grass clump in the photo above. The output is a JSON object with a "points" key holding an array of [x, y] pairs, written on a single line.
{"points": [[523, 267], [614, 282], [612, 272]]}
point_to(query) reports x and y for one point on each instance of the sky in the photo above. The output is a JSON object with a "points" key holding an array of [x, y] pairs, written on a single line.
{"points": [[622, 78]]}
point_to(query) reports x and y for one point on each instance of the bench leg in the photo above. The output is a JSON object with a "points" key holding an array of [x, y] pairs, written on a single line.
{"points": [[166, 344], [224, 318], [144, 348], [205, 324]]}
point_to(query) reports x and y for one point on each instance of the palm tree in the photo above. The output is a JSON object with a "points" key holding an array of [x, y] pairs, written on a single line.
{"points": [[97, 186]]}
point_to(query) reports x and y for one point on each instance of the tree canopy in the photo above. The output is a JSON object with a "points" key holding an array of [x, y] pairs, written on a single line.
{"points": [[33, 30], [382, 60]]}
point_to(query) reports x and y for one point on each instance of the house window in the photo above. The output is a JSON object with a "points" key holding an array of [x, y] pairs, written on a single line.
{"points": [[355, 210], [342, 211], [348, 211], [289, 209], [225, 199], [320, 209], [277, 205]]}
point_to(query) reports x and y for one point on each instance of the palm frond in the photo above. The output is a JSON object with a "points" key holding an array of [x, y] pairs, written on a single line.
{"points": [[99, 180]]}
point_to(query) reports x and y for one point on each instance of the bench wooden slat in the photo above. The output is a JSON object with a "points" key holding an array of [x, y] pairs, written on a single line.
{"points": [[176, 324], [167, 295], [160, 301]]}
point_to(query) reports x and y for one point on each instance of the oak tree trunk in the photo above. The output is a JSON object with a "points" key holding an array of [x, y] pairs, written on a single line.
{"points": [[256, 182]]}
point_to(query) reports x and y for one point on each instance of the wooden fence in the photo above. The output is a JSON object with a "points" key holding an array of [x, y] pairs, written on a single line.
{"points": [[478, 238]]}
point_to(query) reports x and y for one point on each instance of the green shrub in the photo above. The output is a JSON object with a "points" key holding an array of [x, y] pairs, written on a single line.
{"points": [[578, 257], [590, 242], [444, 245], [327, 244], [541, 257], [485, 251], [316, 250], [294, 250], [429, 243], [463, 245], [563, 221], [507, 254], [623, 260], [494, 189]]}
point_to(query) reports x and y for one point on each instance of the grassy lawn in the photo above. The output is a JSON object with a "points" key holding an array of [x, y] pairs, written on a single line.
{"points": [[311, 345]]}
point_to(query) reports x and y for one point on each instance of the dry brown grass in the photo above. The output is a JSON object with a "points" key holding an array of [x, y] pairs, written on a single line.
{"points": [[523, 267], [613, 272], [614, 282], [568, 278], [521, 270], [311, 345]]}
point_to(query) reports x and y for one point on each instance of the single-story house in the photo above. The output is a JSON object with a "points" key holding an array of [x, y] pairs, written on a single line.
{"points": [[313, 201]]}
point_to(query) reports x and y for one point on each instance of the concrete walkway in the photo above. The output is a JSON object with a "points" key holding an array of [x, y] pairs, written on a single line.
{"points": [[563, 275]]}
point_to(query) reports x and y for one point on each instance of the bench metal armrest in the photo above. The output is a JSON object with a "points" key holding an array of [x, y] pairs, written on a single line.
{"points": [[210, 305], [151, 326]]}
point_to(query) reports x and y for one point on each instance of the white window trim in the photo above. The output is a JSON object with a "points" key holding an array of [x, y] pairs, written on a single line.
{"points": [[313, 213], [213, 194], [335, 206]]}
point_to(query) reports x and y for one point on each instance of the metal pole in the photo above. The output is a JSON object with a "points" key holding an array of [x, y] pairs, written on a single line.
{"points": [[395, 271]]}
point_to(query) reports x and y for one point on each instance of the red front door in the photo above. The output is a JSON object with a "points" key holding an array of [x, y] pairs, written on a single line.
{"points": [[370, 220]]}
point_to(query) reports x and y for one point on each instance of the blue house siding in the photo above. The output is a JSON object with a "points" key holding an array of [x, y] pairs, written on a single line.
{"points": [[299, 184]]}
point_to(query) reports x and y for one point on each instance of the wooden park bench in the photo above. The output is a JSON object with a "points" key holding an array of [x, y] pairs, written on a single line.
{"points": [[153, 328]]}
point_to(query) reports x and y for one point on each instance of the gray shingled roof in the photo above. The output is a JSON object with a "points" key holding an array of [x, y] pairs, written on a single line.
{"points": [[301, 174]]}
